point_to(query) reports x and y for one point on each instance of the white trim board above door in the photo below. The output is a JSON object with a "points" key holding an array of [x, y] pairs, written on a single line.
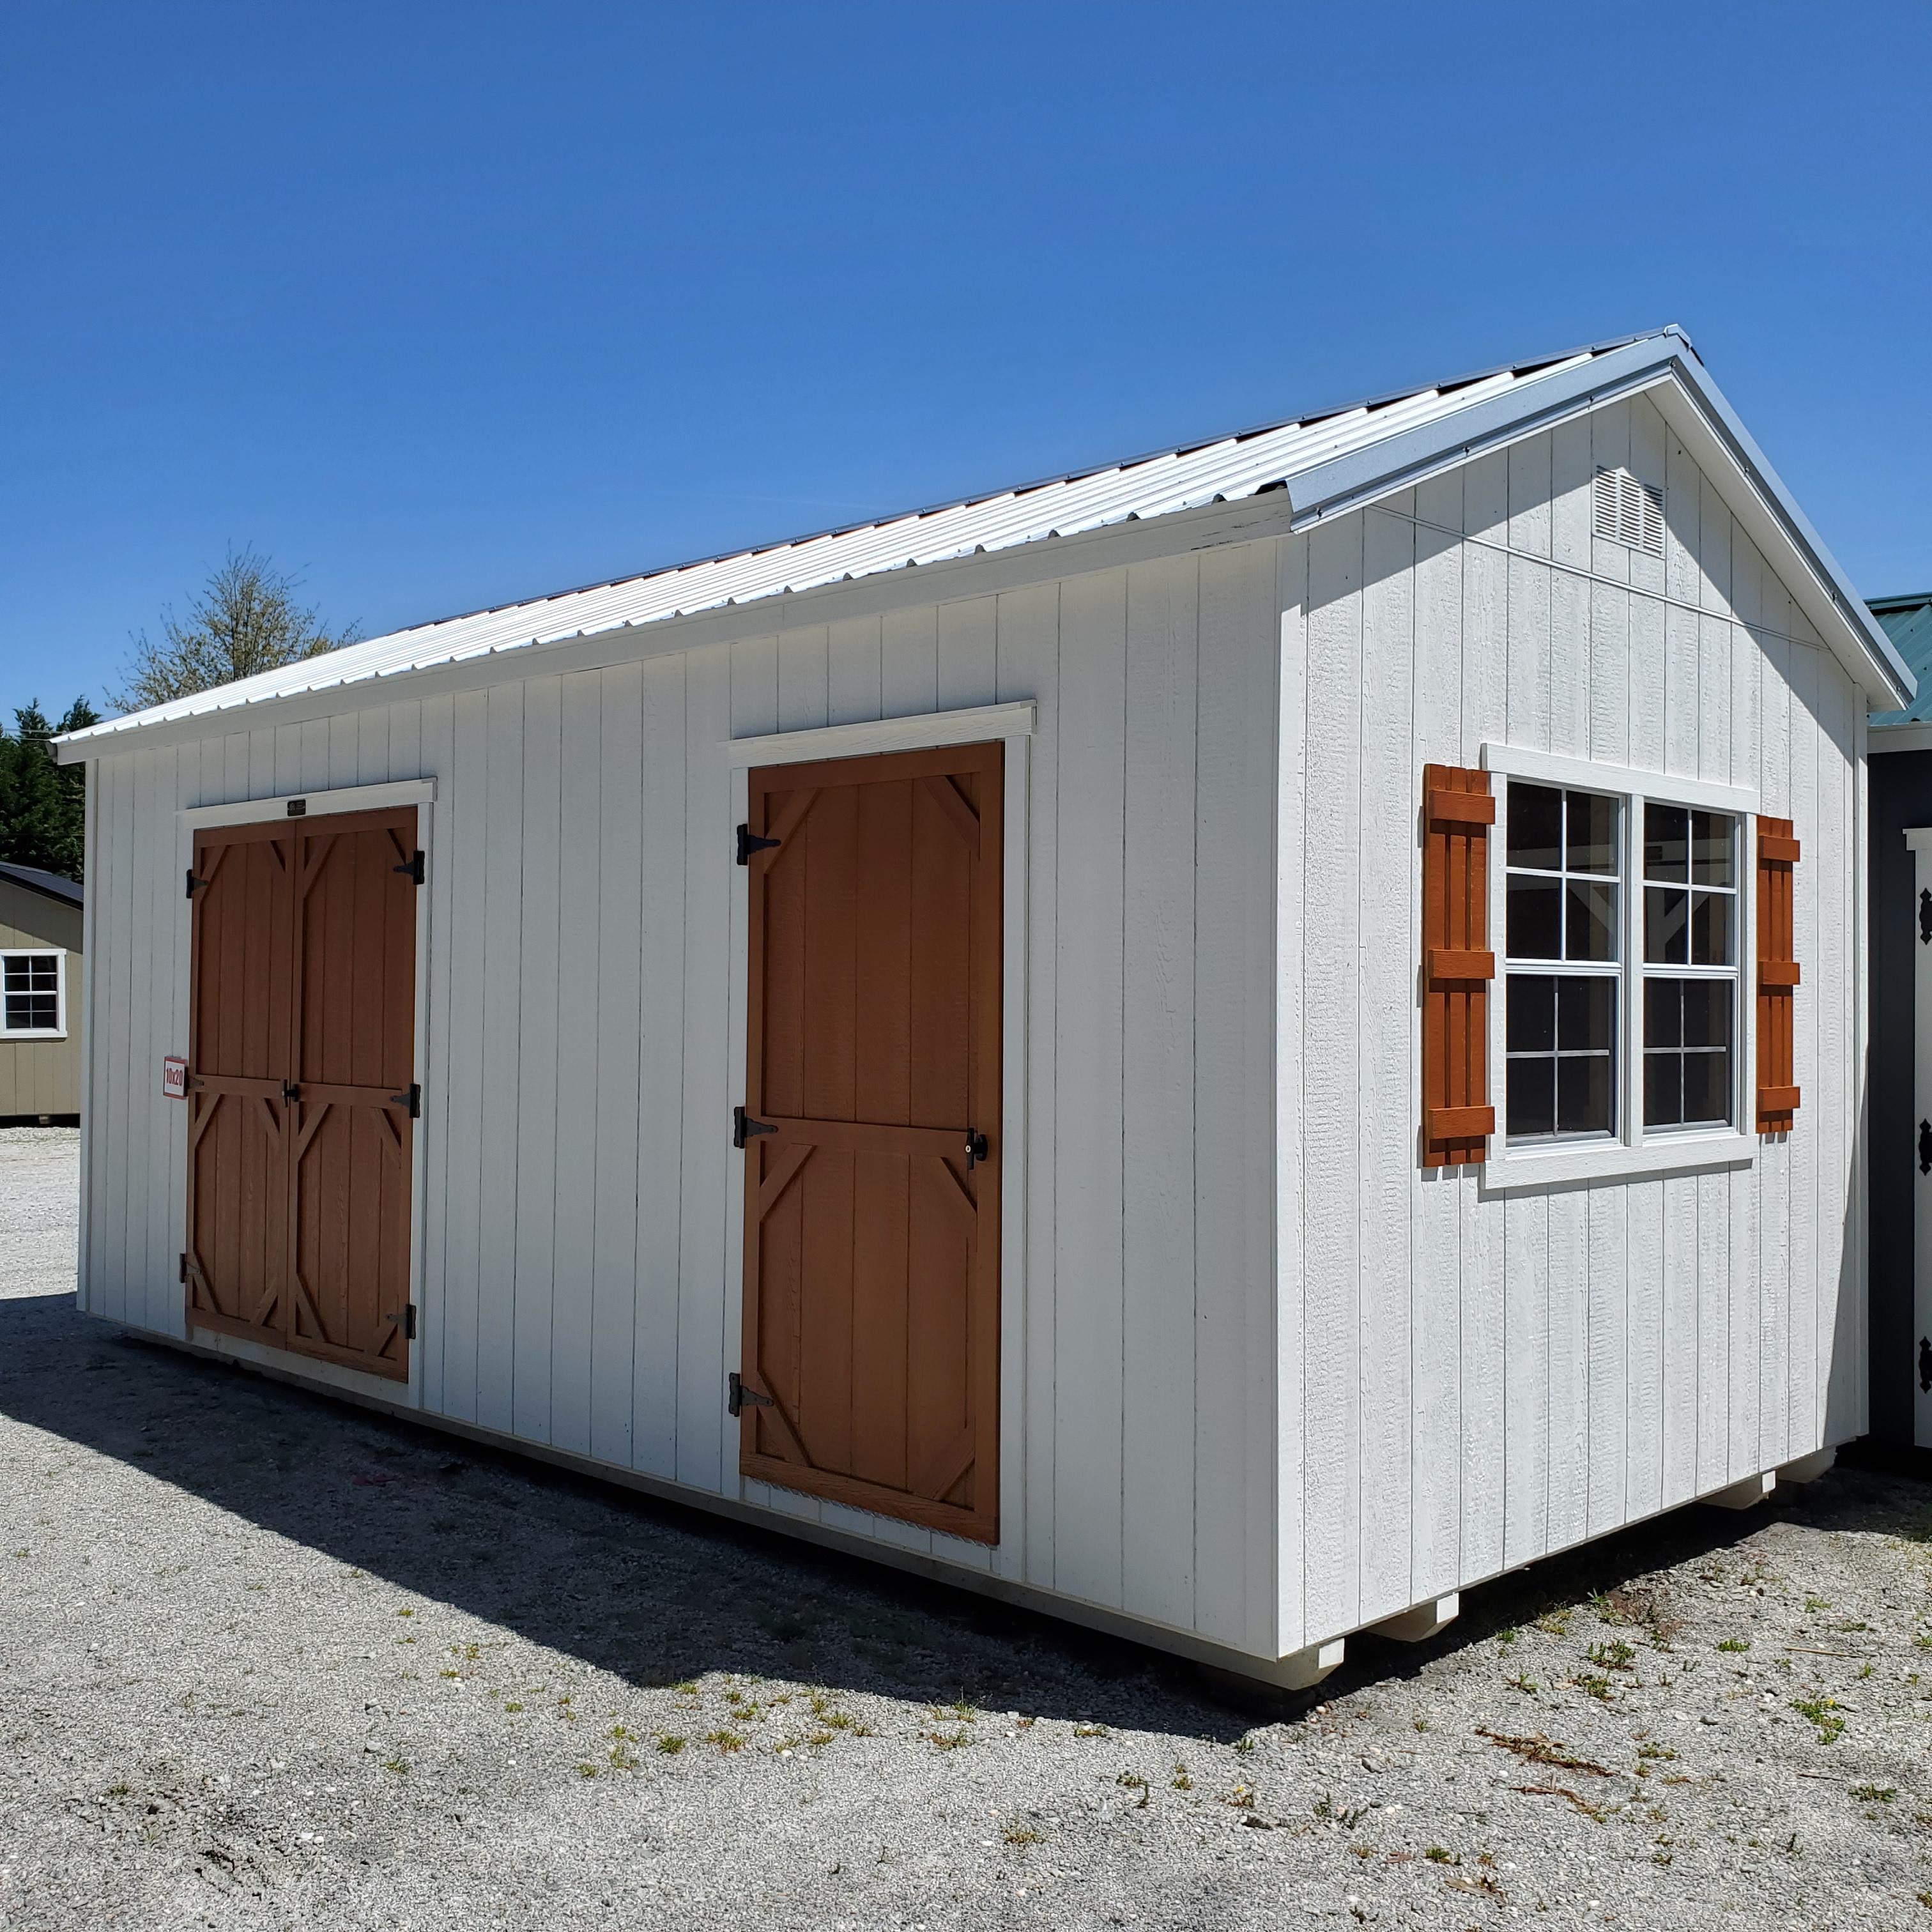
{"points": [[925, 730]]}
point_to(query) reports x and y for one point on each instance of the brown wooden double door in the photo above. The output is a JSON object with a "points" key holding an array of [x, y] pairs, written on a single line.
{"points": [[301, 1106], [871, 1208]]}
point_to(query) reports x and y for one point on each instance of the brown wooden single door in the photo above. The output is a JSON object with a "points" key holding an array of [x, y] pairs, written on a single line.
{"points": [[871, 1233], [301, 1061]]}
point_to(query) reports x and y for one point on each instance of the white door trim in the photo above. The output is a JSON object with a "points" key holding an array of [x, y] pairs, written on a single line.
{"points": [[1012, 725]]}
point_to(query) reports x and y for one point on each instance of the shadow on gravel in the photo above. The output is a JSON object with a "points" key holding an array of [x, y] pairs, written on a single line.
{"points": [[656, 1592]]}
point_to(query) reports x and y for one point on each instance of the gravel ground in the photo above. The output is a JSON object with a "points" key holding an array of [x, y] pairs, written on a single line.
{"points": [[268, 1661]]}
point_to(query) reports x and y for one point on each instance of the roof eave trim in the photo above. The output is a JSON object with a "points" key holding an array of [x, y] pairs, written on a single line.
{"points": [[1348, 482], [74, 901]]}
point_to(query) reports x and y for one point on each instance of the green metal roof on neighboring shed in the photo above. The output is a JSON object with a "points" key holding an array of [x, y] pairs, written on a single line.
{"points": [[1907, 622]]}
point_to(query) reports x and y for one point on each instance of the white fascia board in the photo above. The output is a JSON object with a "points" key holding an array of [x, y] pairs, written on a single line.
{"points": [[1665, 366], [947, 580], [1347, 482], [1914, 735]]}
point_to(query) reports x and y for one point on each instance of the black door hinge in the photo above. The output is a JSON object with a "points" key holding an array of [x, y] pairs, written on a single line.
{"points": [[1925, 918], [193, 882], [182, 1271], [1925, 1365], [748, 842], [744, 1128], [417, 868], [408, 1319], [413, 1099], [1925, 1147], [738, 1397]]}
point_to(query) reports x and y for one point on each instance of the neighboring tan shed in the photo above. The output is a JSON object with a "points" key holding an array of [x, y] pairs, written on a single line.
{"points": [[1901, 1020], [40, 921], [1225, 1046]]}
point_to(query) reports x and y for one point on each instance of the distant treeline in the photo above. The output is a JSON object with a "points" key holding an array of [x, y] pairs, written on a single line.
{"points": [[42, 805]]}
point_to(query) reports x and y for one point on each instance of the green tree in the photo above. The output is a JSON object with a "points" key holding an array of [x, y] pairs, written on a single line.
{"points": [[246, 619], [43, 804]]}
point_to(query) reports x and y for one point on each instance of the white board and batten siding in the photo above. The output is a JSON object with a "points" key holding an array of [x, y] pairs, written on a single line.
{"points": [[1489, 1376], [581, 1039], [1268, 1381]]}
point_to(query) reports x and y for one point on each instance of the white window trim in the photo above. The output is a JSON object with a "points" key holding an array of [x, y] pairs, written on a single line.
{"points": [[1631, 1153], [59, 1030]]}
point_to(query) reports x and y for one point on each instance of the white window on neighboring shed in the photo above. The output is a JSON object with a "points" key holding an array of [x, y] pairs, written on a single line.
{"points": [[33, 995]]}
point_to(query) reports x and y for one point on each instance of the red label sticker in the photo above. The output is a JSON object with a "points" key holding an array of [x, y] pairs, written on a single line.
{"points": [[174, 1077]]}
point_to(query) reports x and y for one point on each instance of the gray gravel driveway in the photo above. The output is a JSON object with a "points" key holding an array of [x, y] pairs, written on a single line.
{"points": [[266, 1661]]}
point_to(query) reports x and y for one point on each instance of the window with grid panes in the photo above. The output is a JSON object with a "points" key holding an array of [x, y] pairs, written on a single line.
{"points": [[1563, 952], [1690, 967], [30, 992]]}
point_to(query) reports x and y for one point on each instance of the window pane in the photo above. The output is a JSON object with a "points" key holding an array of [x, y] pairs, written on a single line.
{"points": [[1593, 832], [1532, 1097], [1711, 928], [1663, 1097], [1666, 842], [1707, 1012], [1707, 1088], [1663, 1013], [1584, 1010], [1535, 826], [1583, 1094], [1667, 921], [13, 972], [1711, 848], [1534, 912], [1590, 927], [1532, 1013]]}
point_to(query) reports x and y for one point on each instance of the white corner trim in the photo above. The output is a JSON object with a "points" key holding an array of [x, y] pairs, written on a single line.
{"points": [[317, 804], [925, 730], [1586, 775], [1918, 838]]}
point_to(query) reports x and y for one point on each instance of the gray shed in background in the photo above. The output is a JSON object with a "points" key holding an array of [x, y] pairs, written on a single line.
{"points": [[40, 996]]}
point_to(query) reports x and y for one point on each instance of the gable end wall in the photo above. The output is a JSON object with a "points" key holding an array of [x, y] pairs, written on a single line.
{"points": [[1488, 1379]]}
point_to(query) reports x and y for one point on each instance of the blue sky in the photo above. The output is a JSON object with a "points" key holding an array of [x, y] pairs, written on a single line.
{"points": [[447, 306]]}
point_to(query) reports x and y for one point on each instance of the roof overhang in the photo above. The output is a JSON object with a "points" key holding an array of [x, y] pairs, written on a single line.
{"points": [[1665, 368], [1325, 470]]}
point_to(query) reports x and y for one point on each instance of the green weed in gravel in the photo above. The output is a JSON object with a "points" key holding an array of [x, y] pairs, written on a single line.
{"points": [[1822, 1712]]}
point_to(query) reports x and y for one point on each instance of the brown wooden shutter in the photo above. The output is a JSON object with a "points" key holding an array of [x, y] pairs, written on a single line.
{"points": [[1457, 965], [1777, 976]]}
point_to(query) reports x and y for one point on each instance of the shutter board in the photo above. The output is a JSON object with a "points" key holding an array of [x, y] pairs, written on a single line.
{"points": [[1458, 965], [1777, 976]]}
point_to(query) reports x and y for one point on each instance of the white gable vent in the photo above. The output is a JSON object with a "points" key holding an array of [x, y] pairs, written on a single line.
{"points": [[1629, 512]]}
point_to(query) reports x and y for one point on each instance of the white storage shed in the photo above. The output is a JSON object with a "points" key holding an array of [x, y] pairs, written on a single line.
{"points": [[1225, 1046]]}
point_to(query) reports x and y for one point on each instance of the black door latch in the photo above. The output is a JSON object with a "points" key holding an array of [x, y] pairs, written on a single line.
{"points": [[744, 1128], [976, 1149], [291, 1093], [739, 1396]]}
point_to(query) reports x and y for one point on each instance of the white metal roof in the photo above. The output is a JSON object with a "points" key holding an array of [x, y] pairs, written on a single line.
{"points": [[1333, 446]]}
